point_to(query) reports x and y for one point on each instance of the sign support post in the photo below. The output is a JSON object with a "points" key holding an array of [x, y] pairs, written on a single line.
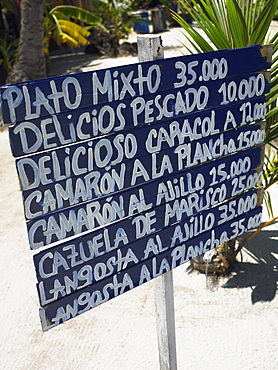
{"points": [[165, 321], [150, 48]]}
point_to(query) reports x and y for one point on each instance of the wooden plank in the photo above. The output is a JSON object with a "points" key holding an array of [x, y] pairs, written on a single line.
{"points": [[31, 136], [23, 101], [76, 265], [95, 294]]}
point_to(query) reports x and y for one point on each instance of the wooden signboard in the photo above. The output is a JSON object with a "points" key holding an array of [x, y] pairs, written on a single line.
{"points": [[129, 172]]}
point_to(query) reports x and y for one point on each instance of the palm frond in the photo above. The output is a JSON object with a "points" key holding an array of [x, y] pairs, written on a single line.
{"points": [[263, 22], [198, 43], [237, 24]]}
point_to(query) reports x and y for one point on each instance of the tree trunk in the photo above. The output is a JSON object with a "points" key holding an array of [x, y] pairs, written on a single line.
{"points": [[30, 64]]}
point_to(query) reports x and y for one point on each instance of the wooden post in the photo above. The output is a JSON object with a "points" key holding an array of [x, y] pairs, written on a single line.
{"points": [[165, 321], [150, 48]]}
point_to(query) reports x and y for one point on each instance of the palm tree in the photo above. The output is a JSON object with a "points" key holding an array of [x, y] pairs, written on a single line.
{"points": [[36, 31], [31, 60], [230, 24]]}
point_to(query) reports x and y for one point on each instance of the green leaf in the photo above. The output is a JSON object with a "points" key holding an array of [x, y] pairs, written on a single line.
{"points": [[76, 13], [60, 15], [237, 24], [203, 19], [263, 22], [57, 24], [220, 13], [197, 41]]}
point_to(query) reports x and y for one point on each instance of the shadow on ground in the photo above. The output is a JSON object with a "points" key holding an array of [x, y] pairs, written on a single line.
{"points": [[69, 63], [262, 274]]}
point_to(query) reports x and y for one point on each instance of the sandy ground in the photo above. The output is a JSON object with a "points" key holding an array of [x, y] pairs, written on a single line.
{"points": [[231, 324]]}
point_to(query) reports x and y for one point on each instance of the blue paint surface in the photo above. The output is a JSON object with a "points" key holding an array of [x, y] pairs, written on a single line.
{"points": [[134, 170]]}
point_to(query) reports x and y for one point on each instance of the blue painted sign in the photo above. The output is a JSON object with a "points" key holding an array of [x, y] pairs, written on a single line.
{"points": [[32, 136], [41, 98], [161, 261], [107, 251], [132, 171], [244, 163], [164, 152], [142, 170]]}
